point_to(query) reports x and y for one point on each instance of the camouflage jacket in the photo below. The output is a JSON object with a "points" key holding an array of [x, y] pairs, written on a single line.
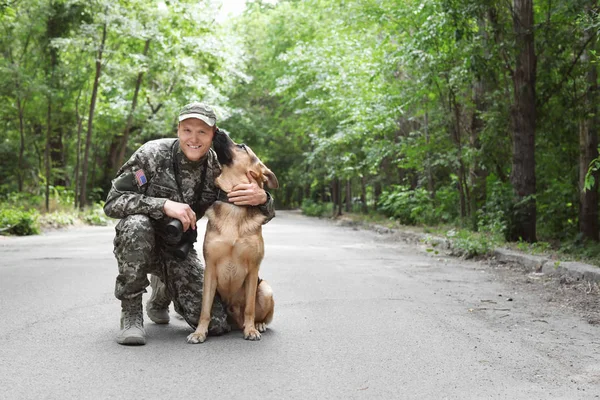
{"points": [[147, 180]]}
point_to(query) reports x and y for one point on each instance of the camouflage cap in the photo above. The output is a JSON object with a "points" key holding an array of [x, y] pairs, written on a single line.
{"points": [[200, 111]]}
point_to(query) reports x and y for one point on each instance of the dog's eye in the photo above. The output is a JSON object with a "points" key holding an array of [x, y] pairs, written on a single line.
{"points": [[243, 147]]}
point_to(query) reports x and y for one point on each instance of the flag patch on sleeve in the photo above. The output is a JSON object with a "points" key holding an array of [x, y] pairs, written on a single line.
{"points": [[140, 177]]}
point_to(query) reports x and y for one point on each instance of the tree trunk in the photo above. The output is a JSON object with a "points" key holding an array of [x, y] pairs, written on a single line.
{"points": [[88, 139], [57, 155], [523, 114], [47, 150], [348, 195], [428, 168], [588, 151], [78, 158], [340, 201], [377, 190], [336, 197], [20, 164], [363, 194]]}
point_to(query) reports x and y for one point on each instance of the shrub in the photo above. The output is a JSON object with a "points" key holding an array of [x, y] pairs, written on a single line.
{"points": [[96, 215], [314, 209], [446, 209], [17, 221], [493, 217], [23, 200], [468, 244], [557, 211], [58, 219], [409, 207]]}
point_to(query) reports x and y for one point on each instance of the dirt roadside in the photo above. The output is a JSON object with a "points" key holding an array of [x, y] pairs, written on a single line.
{"points": [[571, 287]]}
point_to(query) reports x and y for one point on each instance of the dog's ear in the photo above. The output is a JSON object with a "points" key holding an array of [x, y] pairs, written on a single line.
{"points": [[257, 177], [270, 179], [265, 176]]}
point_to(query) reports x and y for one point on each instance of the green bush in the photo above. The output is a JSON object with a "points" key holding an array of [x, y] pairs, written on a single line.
{"points": [[446, 209], [17, 221], [314, 209], [58, 219], [63, 196], [493, 217], [409, 207], [557, 211], [469, 244], [96, 215], [23, 200]]}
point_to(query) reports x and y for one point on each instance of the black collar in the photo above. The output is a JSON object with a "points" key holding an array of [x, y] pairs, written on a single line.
{"points": [[222, 196]]}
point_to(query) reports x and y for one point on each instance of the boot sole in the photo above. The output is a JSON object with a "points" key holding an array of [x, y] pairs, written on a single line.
{"points": [[160, 321], [132, 340]]}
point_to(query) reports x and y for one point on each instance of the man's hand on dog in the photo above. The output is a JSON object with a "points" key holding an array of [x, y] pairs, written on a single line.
{"points": [[247, 194], [182, 212]]}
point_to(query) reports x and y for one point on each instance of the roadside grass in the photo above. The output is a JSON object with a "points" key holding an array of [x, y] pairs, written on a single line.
{"points": [[469, 244], [570, 250], [26, 219]]}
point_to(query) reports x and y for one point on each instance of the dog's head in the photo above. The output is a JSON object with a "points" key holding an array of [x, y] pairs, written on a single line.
{"points": [[237, 160]]}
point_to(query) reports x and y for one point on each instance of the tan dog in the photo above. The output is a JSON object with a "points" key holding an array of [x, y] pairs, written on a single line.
{"points": [[234, 247]]}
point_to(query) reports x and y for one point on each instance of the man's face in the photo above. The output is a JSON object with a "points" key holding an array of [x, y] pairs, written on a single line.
{"points": [[195, 137]]}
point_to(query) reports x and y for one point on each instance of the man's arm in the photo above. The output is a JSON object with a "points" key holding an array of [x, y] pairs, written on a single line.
{"points": [[127, 193], [268, 208], [250, 194]]}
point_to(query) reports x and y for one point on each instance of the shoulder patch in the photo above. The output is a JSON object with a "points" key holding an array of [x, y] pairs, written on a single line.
{"points": [[140, 177]]}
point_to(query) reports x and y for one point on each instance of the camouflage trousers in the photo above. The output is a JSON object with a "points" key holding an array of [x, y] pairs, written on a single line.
{"points": [[140, 251]]}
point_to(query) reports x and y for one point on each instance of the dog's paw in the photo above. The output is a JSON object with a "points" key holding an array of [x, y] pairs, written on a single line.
{"points": [[196, 337], [251, 334], [260, 326]]}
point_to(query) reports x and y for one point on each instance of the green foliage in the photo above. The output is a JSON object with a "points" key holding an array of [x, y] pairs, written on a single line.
{"points": [[95, 215], [581, 250], [445, 210], [590, 180], [17, 221], [534, 248], [557, 209], [417, 207], [58, 219], [315, 209], [21, 199], [409, 207], [383, 94], [494, 216], [468, 244], [22, 213]]}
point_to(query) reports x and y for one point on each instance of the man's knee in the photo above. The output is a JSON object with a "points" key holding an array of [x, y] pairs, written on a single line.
{"points": [[134, 227]]}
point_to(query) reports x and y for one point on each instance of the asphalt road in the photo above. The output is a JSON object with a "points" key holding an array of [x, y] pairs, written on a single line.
{"points": [[357, 316]]}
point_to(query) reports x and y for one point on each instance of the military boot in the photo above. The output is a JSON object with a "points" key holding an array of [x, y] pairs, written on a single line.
{"points": [[157, 306], [132, 323]]}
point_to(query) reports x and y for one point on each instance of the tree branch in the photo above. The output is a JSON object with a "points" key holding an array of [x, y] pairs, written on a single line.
{"points": [[559, 85]]}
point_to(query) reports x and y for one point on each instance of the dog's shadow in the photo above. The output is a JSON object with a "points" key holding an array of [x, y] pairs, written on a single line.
{"points": [[178, 329]]}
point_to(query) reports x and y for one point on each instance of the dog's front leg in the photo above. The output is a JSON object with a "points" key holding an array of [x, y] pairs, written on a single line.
{"points": [[250, 331], [208, 295]]}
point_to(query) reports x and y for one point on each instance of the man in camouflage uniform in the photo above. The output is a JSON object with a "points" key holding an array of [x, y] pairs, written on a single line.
{"points": [[169, 179]]}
